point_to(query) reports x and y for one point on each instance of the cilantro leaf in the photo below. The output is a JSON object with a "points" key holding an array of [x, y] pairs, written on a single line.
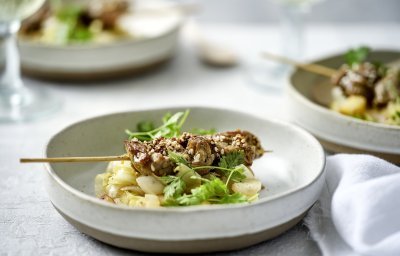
{"points": [[356, 56], [177, 158], [236, 174], [232, 159], [211, 189], [231, 166], [175, 186], [233, 199]]}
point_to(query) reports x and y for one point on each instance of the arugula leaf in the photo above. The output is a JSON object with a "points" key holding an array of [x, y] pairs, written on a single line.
{"points": [[145, 126], [232, 159], [173, 119], [356, 56], [201, 131], [171, 127], [166, 117]]}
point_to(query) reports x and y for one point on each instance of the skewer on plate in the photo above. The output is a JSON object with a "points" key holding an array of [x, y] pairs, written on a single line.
{"points": [[76, 159], [314, 68], [162, 151]]}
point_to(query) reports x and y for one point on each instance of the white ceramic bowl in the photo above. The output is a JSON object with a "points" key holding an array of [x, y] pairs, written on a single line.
{"points": [[97, 61], [337, 132], [293, 175]]}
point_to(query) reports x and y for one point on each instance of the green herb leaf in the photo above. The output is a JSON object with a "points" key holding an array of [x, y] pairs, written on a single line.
{"points": [[230, 165], [356, 56], [191, 178], [167, 179], [175, 187], [72, 29], [173, 119], [145, 126], [233, 199], [186, 200], [177, 158], [200, 131], [166, 117], [212, 189], [68, 13], [381, 68], [80, 34], [236, 174], [171, 127], [232, 159]]}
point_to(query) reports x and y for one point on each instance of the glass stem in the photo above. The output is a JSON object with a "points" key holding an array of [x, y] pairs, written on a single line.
{"points": [[292, 22], [12, 73]]}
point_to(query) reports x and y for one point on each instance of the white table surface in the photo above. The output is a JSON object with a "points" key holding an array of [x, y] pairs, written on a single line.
{"points": [[29, 225]]}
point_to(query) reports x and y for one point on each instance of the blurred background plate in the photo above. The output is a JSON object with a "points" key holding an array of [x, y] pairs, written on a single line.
{"points": [[308, 95], [158, 31]]}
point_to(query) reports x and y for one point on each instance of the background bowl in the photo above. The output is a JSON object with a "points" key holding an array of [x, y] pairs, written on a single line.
{"points": [[93, 61], [293, 175], [337, 132]]}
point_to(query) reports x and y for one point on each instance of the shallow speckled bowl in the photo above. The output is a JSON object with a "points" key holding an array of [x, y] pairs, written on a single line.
{"points": [[124, 57], [337, 132], [293, 175]]}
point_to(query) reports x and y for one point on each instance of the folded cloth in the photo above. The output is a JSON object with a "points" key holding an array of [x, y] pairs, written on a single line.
{"points": [[358, 212]]}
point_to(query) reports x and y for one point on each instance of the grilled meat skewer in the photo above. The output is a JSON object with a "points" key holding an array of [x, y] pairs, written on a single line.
{"points": [[151, 157]]}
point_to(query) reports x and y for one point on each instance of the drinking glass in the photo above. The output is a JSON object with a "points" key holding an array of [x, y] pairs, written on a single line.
{"points": [[270, 75], [17, 102]]}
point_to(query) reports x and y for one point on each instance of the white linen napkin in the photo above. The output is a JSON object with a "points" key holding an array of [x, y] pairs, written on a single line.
{"points": [[358, 212]]}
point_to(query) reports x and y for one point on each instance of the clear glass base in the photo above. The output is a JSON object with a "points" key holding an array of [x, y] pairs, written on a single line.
{"points": [[267, 76], [26, 104]]}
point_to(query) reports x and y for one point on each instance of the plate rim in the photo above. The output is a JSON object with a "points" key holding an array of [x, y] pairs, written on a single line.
{"points": [[94, 46]]}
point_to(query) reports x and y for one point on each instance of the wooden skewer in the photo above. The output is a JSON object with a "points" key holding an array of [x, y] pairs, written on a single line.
{"points": [[314, 68], [75, 159]]}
